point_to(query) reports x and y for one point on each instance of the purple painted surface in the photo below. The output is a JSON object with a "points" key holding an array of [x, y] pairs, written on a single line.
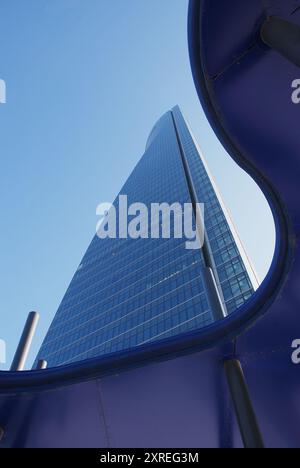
{"points": [[158, 397], [246, 90], [178, 403]]}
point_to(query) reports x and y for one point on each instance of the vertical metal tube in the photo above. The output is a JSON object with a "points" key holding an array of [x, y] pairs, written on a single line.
{"points": [[282, 36], [42, 364], [207, 275], [212, 293], [246, 417], [21, 355]]}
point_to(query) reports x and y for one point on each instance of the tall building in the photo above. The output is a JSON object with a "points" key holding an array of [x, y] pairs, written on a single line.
{"points": [[129, 292]]}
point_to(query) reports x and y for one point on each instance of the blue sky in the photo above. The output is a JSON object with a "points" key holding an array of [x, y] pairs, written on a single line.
{"points": [[86, 81]]}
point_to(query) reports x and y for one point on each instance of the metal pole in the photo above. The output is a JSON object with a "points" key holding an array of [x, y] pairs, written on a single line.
{"points": [[246, 417], [42, 364], [207, 273], [282, 36], [21, 355]]}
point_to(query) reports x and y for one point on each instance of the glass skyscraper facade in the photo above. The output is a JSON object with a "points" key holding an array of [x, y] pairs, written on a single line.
{"points": [[129, 292]]}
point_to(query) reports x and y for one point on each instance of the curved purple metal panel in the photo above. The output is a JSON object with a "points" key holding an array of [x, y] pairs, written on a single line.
{"points": [[173, 393], [178, 403], [246, 91]]}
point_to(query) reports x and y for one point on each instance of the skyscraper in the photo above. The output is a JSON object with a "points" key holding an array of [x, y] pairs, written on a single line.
{"points": [[129, 292]]}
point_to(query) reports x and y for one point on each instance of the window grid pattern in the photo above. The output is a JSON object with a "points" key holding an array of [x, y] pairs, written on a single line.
{"points": [[126, 292], [233, 278]]}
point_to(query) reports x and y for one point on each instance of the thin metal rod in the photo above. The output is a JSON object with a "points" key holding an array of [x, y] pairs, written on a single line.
{"points": [[23, 349], [246, 417], [42, 364], [282, 36], [207, 272]]}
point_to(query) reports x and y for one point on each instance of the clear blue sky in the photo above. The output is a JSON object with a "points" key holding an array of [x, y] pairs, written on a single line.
{"points": [[86, 81]]}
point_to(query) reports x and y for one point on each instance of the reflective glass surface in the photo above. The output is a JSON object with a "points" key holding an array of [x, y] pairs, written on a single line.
{"points": [[129, 292]]}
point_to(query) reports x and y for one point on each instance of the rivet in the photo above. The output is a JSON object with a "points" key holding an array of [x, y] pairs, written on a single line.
{"points": [[2, 433]]}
